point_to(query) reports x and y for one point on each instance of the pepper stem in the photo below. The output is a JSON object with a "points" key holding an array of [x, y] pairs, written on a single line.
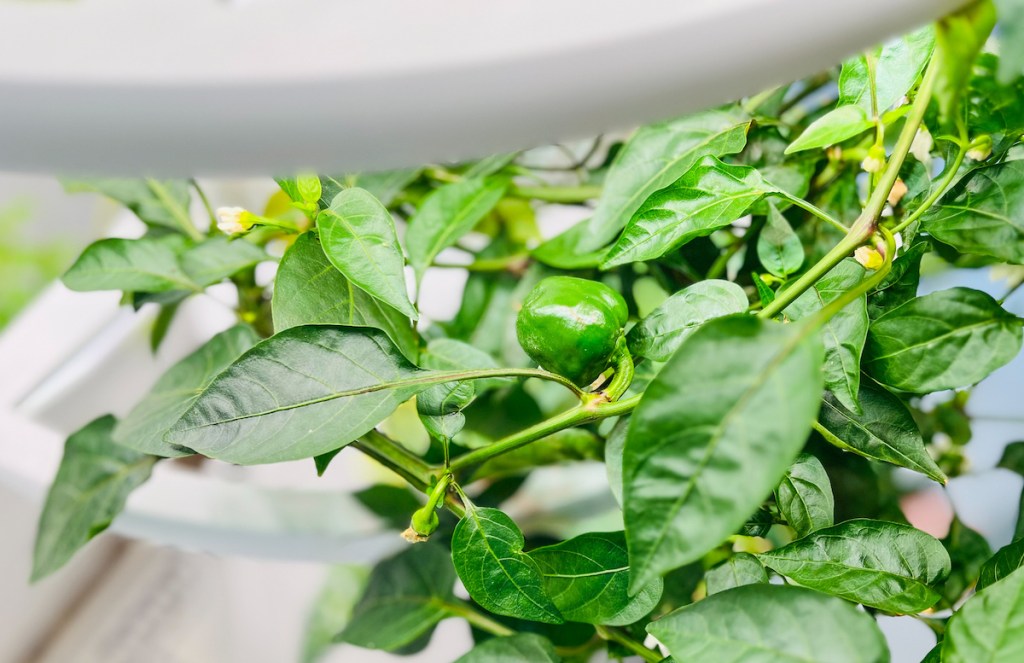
{"points": [[623, 375]]}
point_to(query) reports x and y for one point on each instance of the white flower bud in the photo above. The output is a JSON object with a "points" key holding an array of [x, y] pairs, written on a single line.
{"points": [[233, 220]]}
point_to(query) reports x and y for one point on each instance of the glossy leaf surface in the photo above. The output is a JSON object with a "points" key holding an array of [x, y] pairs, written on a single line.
{"points": [[714, 433], [407, 595], [881, 564], [446, 215], [709, 196], [843, 334], [885, 430], [740, 569], [93, 482], [944, 340], [587, 577], [308, 290], [804, 496], [655, 157], [487, 548], [771, 624], [177, 389], [358, 236], [661, 333]]}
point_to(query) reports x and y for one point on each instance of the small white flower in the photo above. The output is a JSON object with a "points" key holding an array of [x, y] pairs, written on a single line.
{"points": [[233, 220], [872, 164], [921, 148]]}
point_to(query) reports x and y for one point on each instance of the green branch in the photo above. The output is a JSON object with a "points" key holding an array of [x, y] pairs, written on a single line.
{"points": [[615, 635], [866, 224], [582, 414]]}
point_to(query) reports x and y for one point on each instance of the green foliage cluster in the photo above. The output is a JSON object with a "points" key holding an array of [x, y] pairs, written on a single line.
{"points": [[750, 411]]}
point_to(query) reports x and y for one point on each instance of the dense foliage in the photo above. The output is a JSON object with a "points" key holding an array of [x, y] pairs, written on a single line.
{"points": [[751, 392]]}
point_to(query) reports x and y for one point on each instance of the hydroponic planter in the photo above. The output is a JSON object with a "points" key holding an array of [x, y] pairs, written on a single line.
{"points": [[266, 86]]}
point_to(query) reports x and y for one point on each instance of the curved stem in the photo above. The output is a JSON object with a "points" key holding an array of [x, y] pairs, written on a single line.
{"points": [[933, 197], [476, 618], [865, 225], [179, 213], [615, 635], [815, 211], [578, 415], [396, 458], [556, 194], [623, 375], [206, 203]]}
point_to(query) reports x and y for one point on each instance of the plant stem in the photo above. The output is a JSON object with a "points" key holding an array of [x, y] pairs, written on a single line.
{"points": [[578, 415], [947, 178], [556, 194], [615, 635], [865, 225], [489, 264], [477, 619], [816, 211], [206, 203], [396, 458], [179, 213]]}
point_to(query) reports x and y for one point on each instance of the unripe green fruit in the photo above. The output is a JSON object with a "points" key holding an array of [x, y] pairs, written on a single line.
{"points": [[572, 327], [425, 521]]}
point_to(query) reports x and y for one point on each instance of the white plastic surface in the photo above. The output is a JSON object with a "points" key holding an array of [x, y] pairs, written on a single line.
{"points": [[202, 87]]}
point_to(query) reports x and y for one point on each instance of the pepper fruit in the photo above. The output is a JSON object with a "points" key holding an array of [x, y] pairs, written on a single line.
{"points": [[573, 327]]}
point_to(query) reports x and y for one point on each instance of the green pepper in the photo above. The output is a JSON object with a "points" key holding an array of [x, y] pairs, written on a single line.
{"points": [[573, 327]]}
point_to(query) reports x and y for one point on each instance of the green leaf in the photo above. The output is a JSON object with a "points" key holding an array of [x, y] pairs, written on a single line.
{"points": [[1013, 458], [944, 340], [740, 569], [135, 265], [407, 596], [656, 156], [764, 293], [440, 407], [885, 565], [587, 577], [778, 247], [157, 203], [332, 609], [959, 38], [358, 236], [834, 127], [177, 389], [1011, 39], [520, 648], [92, 485], [215, 259], [989, 628], [1008, 559], [709, 196], [771, 624], [968, 551], [384, 185], [309, 290], [844, 333], [984, 213], [487, 549], [446, 215], [885, 430], [805, 496], [897, 67], [661, 333], [301, 393], [712, 436], [900, 285], [562, 252]]}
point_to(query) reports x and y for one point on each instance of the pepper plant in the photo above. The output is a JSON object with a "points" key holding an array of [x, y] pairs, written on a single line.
{"points": [[735, 330]]}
